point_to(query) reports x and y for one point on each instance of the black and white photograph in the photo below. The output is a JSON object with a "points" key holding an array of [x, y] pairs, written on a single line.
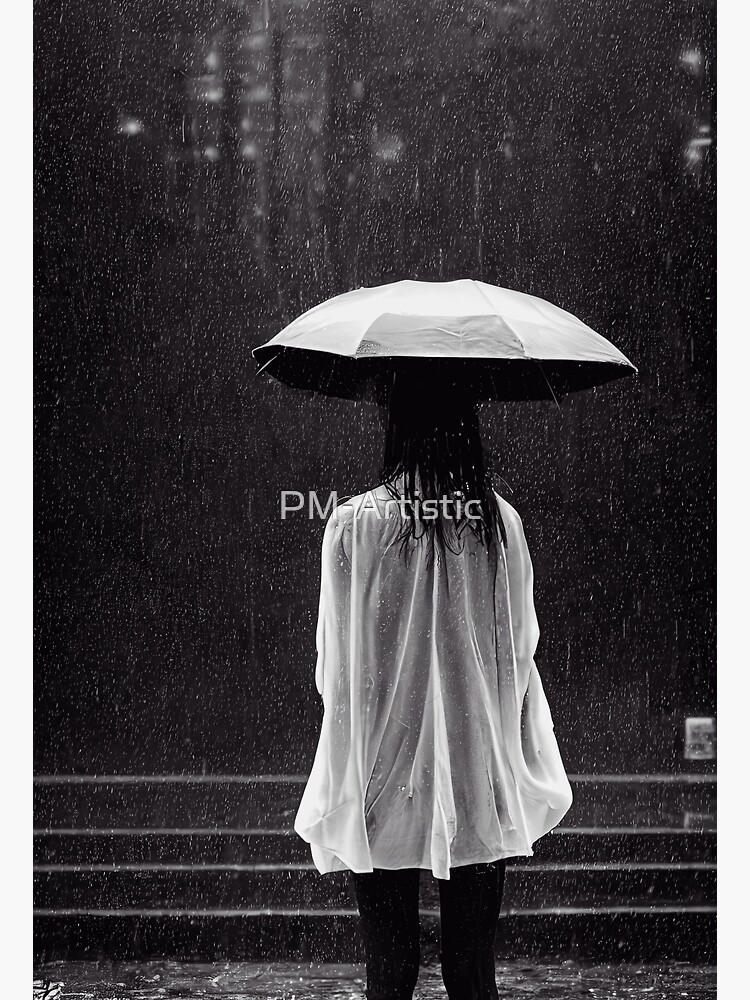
{"points": [[375, 500]]}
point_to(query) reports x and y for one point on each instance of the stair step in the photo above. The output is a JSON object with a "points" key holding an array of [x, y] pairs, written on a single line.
{"points": [[230, 846], [270, 802], [289, 888], [660, 935]]}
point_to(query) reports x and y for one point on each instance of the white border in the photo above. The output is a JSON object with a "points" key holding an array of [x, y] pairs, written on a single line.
{"points": [[17, 424]]}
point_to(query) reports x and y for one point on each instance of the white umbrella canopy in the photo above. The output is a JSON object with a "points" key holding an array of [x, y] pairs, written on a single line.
{"points": [[497, 343]]}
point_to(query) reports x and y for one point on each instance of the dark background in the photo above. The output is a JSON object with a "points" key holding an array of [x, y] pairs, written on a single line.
{"points": [[205, 171]]}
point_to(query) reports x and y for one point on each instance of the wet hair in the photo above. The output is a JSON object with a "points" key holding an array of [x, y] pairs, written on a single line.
{"points": [[433, 441]]}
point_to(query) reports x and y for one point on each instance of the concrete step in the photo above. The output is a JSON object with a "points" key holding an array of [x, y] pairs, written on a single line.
{"points": [[270, 801], [276, 886], [85, 847], [636, 936]]}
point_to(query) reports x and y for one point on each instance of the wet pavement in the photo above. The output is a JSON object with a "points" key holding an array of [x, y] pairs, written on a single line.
{"points": [[294, 981]]}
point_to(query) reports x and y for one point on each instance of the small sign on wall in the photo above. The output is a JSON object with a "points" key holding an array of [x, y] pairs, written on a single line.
{"points": [[700, 738]]}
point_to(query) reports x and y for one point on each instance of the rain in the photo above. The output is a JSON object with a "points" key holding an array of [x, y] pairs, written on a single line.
{"points": [[207, 170]]}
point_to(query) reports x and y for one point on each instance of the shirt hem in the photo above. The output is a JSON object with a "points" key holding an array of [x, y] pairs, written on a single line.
{"points": [[337, 863]]}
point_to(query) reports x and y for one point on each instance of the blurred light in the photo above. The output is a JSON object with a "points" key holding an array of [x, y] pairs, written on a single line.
{"points": [[260, 93], [214, 95], [692, 61], [131, 126], [389, 149], [211, 153], [212, 59], [695, 149], [358, 89], [251, 150], [257, 41]]}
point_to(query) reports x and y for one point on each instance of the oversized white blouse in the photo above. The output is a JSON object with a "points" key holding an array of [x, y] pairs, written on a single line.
{"points": [[437, 746]]}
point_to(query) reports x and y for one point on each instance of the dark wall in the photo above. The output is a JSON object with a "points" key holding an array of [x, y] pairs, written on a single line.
{"points": [[206, 170]]}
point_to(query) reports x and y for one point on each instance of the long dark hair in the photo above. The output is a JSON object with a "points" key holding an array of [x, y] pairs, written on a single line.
{"points": [[433, 442]]}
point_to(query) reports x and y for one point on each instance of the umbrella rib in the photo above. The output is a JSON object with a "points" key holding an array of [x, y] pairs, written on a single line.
{"points": [[486, 297], [504, 319], [541, 369], [263, 368], [331, 371]]}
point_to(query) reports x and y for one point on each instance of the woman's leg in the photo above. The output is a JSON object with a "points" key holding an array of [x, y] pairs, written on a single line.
{"points": [[469, 909], [388, 903]]}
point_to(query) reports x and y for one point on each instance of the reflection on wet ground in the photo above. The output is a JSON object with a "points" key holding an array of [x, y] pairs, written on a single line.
{"points": [[294, 981]]}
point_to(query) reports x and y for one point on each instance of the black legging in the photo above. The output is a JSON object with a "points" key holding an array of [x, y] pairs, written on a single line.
{"points": [[388, 903]]}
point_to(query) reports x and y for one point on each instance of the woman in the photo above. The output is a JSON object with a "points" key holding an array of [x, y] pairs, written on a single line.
{"points": [[437, 748]]}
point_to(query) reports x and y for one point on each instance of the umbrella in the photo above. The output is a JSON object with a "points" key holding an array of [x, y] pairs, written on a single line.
{"points": [[499, 343]]}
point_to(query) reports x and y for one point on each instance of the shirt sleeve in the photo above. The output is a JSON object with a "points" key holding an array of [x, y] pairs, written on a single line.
{"points": [[524, 620], [539, 745], [524, 624], [335, 574]]}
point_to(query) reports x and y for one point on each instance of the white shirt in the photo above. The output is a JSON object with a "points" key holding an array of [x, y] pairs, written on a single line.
{"points": [[437, 746]]}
